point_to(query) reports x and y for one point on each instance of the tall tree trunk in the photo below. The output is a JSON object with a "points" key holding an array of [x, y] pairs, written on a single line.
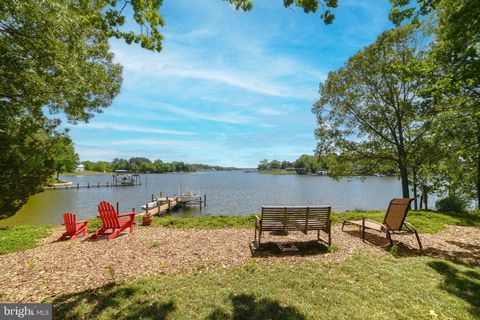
{"points": [[404, 179], [478, 166], [425, 197], [415, 194], [402, 166]]}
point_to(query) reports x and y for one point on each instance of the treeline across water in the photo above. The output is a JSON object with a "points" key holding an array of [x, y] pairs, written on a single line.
{"points": [[305, 164], [329, 164], [145, 165]]}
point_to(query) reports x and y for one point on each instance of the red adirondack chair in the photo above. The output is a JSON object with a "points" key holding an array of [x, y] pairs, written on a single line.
{"points": [[74, 227], [110, 220]]}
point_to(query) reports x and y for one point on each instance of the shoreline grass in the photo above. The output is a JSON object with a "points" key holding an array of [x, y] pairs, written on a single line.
{"points": [[84, 173], [278, 172], [361, 287]]}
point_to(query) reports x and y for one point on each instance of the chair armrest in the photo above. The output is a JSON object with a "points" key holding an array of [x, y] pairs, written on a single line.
{"points": [[258, 221], [373, 221], [130, 214]]}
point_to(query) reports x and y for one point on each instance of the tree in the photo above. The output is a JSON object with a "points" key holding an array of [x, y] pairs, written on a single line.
{"points": [[369, 112], [25, 162], [275, 164], [53, 56], [307, 164], [263, 165], [453, 67], [64, 156], [286, 164]]}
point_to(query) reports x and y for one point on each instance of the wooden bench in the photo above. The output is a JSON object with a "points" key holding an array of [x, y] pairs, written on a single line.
{"points": [[282, 219]]}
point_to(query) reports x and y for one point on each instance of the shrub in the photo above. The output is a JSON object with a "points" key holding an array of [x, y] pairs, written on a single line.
{"points": [[451, 203]]}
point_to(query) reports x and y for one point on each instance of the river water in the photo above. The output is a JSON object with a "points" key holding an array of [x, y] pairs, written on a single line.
{"points": [[228, 193]]}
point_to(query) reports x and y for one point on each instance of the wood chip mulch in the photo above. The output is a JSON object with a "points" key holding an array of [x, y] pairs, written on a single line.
{"points": [[55, 268]]}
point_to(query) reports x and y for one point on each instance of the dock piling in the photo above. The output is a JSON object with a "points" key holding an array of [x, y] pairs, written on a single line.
{"points": [[117, 208]]}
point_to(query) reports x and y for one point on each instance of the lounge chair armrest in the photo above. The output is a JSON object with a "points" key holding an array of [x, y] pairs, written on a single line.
{"points": [[373, 221]]}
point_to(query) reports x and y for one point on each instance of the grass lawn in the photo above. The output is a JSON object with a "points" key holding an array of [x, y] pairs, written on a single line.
{"points": [[425, 221], [21, 238], [84, 173], [363, 287]]}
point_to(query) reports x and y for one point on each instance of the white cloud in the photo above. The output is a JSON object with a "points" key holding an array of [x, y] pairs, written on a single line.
{"points": [[164, 142], [233, 118], [129, 128]]}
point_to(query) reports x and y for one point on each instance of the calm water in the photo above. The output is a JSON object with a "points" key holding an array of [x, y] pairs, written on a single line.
{"points": [[229, 193]]}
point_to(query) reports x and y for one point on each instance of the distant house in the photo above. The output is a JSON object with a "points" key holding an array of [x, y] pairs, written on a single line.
{"points": [[80, 168]]}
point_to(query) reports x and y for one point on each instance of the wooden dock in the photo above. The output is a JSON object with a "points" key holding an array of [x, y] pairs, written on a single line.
{"points": [[89, 185], [165, 204]]}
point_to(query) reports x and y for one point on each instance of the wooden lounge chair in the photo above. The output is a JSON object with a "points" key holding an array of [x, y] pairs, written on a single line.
{"points": [[393, 223], [281, 219], [73, 227], [111, 221]]}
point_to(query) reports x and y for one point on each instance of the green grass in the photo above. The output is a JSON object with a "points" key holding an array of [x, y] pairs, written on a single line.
{"points": [[21, 238], [424, 221], [84, 173], [205, 222], [363, 287], [279, 171]]}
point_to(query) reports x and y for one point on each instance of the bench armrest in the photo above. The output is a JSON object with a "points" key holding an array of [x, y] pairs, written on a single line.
{"points": [[258, 221]]}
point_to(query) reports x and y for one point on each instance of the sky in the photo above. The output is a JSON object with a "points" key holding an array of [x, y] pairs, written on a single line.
{"points": [[229, 88]]}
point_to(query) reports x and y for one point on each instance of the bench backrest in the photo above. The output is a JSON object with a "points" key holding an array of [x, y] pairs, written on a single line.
{"points": [[290, 218]]}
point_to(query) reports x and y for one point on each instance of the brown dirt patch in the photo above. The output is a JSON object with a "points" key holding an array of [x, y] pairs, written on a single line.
{"points": [[70, 266]]}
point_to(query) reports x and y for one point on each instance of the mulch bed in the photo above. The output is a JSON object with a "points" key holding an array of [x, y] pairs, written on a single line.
{"points": [[54, 267]]}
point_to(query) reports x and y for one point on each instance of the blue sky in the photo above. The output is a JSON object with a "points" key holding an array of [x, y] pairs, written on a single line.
{"points": [[229, 88]]}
